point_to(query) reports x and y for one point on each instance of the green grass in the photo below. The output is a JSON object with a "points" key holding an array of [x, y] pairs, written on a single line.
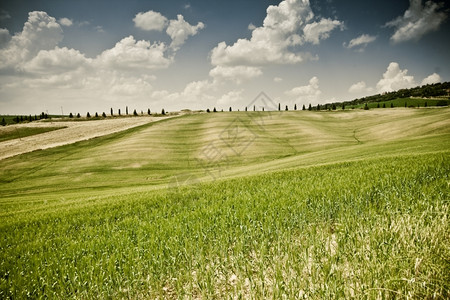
{"points": [[11, 133], [323, 205], [400, 102]]}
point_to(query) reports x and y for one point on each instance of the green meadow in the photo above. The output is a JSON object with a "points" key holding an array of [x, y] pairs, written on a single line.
{"points": [[283, 205]]}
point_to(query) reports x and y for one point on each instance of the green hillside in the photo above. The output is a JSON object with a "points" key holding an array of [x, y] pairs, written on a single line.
{"points": [[331, 204]]}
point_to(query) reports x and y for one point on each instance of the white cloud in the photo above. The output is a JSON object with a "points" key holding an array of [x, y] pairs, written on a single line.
{"points": [[394, 79], [251, 27], [65, 22], [360, 42], [150, 20], [237, 74], [179, 30], [417, 21], [231, 98], [316, 31], [286, 26], [433, 78], [307, 93], [359, 87], [277, 79], [57, 61], [137, 55], [40, 32]]}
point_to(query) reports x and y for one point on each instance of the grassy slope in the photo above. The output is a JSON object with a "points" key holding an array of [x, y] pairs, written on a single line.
{"points": [[102, 204], [10, 133]]}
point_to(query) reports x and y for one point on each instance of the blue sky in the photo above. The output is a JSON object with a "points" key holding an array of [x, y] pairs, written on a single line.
{"points": [[93, 55]]}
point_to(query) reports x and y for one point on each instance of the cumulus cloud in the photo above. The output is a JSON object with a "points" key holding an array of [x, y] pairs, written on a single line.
{"points": [[230, 98], [238, 74], [417, 21], [285, 26], [57, 61], [179, 30], [65, 22], [394, 79], [131, 54], [361, 42], [433, 78], [359, 87], [316, 31], [310, 92], [150, 20], [40, 32], [278, 79]]}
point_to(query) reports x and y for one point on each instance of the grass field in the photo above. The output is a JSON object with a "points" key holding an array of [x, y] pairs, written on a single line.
{"points": [[400, 102], [259, 205], [10, 133]]}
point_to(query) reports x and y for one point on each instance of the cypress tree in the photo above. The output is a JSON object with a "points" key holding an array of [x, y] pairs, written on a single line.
{"points": [[295, 106], [286, 109], [230, 108], [78, 115], [149, 112], [303, 108], [3, 123], [163, 112], [112, 112], [70, 115], [279, 106], [119, 111], [96, 114], [214, 110], [103, 115], [384, 105], [392, 104], [135, 113], [88, 115], [126, 110], [310, 107]]}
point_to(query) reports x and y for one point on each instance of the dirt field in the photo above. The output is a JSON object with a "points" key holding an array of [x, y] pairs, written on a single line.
{"points": [[74, 132]]}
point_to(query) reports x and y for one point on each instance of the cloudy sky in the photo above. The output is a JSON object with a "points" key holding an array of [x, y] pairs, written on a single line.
{"points": [[92, 55]]}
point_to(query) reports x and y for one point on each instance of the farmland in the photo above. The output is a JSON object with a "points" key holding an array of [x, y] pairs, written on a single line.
{"points": [[254, 205]]}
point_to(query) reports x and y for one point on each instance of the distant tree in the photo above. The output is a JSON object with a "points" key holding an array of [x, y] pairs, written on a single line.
{"points": [[318, 106], [310, 107], [103, 115], [71, 115], [30, 119], [405, 104], [78, 115], [163, 112], [142, 112], [126, 110], [214, 110], [207, 110], [222, 110], [119, 111], [295, 106], [343, 106], [392, 104], [112, 112], [246, 108], [88, 115], [135, 113], [426, 104], [279, 106], [230, 108], [326, 106], [286, 109], [149, 112], [263, 108], [384, 105], [3, 123], [366, 107], [378, 105], [254, 107], [303, 107], [333, 106], [96, 114]]}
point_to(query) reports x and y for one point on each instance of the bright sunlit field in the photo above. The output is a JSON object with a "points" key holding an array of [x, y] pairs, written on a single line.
{"points": [[226, 205]]}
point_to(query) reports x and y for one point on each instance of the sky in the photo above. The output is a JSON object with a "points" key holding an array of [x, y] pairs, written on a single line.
{"points": [[79, 56]]}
